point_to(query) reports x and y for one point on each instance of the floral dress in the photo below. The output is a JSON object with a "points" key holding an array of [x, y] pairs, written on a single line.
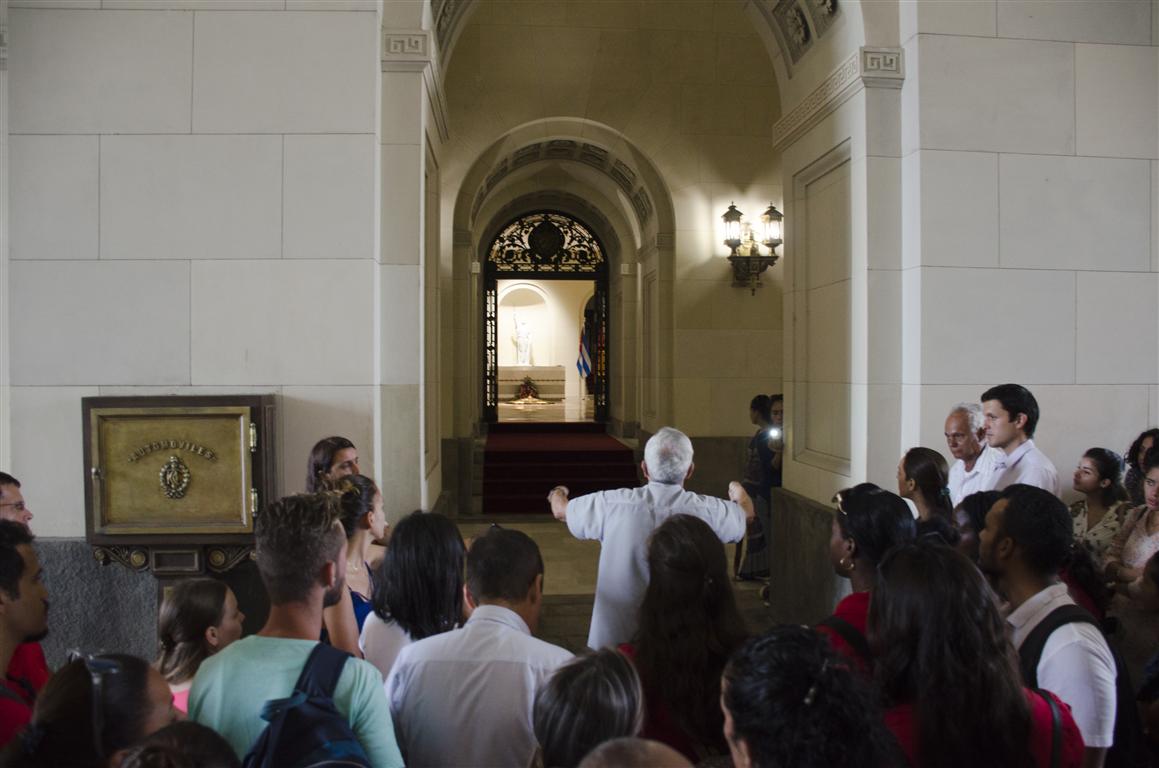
{"points": [[1098, 539]]}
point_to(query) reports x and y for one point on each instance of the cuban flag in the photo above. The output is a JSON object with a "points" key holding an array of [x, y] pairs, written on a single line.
{"points": [[584, 361]]}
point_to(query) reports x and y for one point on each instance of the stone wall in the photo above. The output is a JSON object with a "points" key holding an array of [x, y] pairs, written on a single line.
{"points": [[803, 586]]}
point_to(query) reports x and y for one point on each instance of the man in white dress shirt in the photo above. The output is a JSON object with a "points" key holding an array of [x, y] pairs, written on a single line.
{"points": [[1010, 414], [1027, 537], [623, 519], [966, 439], [465, 697]]}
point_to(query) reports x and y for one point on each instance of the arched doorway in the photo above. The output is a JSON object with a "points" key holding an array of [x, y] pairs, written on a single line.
{"points": [[549, 245]]}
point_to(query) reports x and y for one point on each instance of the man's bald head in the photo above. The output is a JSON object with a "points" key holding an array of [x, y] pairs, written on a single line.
{"points": [[634, 753]]}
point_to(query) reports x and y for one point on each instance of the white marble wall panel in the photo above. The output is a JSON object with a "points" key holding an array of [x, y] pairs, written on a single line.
{"points": [[285, 72], [89, 322], [191, 197], [53, 207], [988, 326], [1154, 216], [400, 324], [690, 415], [1082, 21], [47, 429], [959, 208], [195, 5], [828, 356], [332, 5], [57, 4], [1074, 212], [949, 17], [996, 95], [99, 71], [883, 327], [403, 94], [309, 414], [399, 472], [883, 207], [828, 236], [1117, 100], [1118, 328], [328, 208], [401, 203], [289, 322]]}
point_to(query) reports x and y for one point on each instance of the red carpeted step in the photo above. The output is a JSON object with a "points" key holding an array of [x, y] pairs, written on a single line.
{"points": [[520, 467]]}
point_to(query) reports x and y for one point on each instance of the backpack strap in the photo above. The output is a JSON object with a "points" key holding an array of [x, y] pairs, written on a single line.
{"points": [[851, 636], [1055, 728], [8, 693], [1030, 652], [321, 672]]}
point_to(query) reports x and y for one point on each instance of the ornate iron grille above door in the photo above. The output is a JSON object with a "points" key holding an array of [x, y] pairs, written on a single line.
{"points": [[546, 245]]}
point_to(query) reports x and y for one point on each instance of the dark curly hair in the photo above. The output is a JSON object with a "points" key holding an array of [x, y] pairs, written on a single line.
{"points": [[1041, 526], [874, 519], [941, 648], [927, 468], [1109, 466], [182, 745], [797, 704], [688, 626], [1135, 452]]}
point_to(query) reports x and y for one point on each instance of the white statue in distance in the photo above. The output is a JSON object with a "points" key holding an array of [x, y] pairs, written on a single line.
{"points": [[522, 339]]}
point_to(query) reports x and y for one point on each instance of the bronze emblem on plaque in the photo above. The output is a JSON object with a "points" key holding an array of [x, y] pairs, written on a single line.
{"points": [[175, 477]]}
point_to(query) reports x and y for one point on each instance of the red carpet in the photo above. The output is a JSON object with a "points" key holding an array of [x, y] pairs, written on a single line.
{"points": [[520, 466]]}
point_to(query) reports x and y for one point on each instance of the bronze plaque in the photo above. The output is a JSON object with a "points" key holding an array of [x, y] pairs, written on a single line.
{"points": [[171, 470]]}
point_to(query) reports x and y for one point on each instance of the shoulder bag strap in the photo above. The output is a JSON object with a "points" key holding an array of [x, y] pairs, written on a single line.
{"points": [[1055, 728], [850, 635]]}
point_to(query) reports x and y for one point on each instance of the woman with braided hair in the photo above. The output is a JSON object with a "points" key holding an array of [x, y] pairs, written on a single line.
{"points": [[688, 627]]}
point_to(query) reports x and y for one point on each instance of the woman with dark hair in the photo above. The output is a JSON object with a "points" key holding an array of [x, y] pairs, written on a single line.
{"points": [[1133, 482], [688, 627], [364, 522], [922, 477], [790, 701], [182, 745], [868, 521], [1136, 542], [91, 710], [418, 587], [589, 700], [970, 518], [751, 560], [198, 618], [1099, 515], [1147, 599], [330, 459], [949, 673]]}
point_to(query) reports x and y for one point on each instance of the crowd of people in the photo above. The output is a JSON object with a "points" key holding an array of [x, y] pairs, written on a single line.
{"points": [[986, 624]]}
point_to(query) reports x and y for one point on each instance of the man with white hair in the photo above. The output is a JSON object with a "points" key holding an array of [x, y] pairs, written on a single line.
{"points": [[623, 519], [966, 439]]}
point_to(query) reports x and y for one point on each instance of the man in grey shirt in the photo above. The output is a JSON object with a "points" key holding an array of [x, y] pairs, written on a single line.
{"points": [[623, 519]]}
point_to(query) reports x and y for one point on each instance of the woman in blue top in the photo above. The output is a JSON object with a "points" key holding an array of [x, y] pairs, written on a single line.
{"points": [[364, 522]]}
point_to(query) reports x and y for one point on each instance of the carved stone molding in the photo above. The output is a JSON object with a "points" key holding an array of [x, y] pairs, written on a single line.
{"points": [[666, 240], [413, 50], [882, 67], [618, 170], [867, 68], [461, 237]]}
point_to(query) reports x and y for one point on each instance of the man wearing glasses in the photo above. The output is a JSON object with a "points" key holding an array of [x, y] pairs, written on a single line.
{"points": [[28, 670], [12, 505]]}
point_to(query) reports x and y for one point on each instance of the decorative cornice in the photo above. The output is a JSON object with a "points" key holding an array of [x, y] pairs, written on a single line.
{"points": [[867, 68], [413, 50]]}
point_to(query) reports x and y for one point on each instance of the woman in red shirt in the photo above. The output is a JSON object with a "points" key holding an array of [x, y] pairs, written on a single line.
{"points": [[949, 674], [868, 521]]}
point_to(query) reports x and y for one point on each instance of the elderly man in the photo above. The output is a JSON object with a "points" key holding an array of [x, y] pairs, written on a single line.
{"points": [[966, 439], [623, 519]]}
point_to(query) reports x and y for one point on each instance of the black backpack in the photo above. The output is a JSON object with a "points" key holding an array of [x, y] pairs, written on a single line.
{"points": [[1129, 749], [306, 730]]}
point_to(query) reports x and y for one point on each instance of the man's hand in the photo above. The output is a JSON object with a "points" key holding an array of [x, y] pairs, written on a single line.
{"points": [[738, 494], [557, 498]]}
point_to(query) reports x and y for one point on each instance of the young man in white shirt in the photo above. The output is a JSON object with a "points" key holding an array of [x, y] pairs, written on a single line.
{"points": [[1027, 537], [1010, 414]]}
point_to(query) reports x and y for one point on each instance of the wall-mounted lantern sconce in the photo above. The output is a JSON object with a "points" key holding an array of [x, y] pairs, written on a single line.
{"points": [[745, 253]]}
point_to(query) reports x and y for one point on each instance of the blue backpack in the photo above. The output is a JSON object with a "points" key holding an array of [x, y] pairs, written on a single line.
{"points": [[306, 730]]}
